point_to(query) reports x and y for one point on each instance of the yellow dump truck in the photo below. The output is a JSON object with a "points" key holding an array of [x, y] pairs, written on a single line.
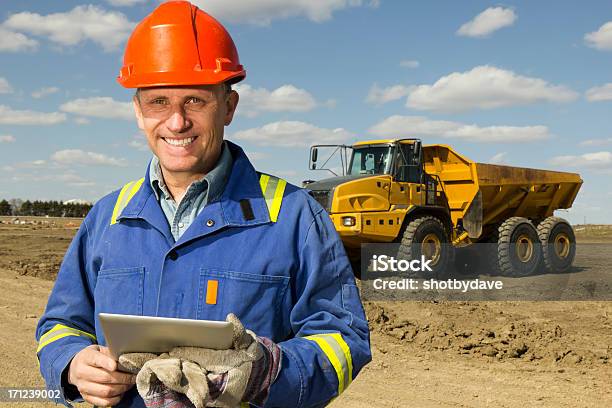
{"points": [[431, 200]]}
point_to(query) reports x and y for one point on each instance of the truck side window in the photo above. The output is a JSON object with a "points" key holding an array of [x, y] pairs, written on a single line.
{"points": [[407, 166]]}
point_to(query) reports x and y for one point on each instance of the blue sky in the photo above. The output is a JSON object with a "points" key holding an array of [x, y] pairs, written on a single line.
{"points": [[521, 83]]}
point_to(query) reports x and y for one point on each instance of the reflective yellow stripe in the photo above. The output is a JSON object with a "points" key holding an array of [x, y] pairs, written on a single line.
{"points": [[60, 331], [133, 191], [62, 327], [347, 354], [118, 207], [125, 195], [269, 194], [263, 182], [278, 199], [273, 189], [339, 355]]}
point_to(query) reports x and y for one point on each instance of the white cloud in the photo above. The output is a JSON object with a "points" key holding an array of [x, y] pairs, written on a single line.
{"points": [[499, 158], [139, 145], [76, 156], [379, 96], [255, 156], [286, 98], [82, 121], [5, 87], [330, 103], [125, 3], [100, 107], [292, 134], [263, 12], [487, 22], [596, 161], [409, 64], [32, 164], [600, 39], [11, 41], [42, 92], [597, 142], [485, 87], [600, 93], [71, 179], [7, 139], [86, 22], [406, 126], [286, 173], [501, 134], [9, 116], [139, 142]]}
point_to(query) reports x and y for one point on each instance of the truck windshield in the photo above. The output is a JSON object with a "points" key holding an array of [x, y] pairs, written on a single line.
{"points": [[370, 160]]}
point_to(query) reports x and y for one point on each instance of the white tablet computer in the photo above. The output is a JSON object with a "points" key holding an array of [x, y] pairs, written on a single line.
{"points": [[133, 334]]}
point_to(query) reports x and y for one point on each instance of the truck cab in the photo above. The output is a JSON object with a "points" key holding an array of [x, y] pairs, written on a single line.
{"points": [[380, 182]]}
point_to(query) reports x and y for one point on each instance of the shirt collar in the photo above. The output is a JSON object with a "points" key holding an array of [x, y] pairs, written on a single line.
{"points": [[213, 183], [242, 183]]}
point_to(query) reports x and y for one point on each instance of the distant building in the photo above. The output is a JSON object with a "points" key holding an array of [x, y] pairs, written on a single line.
{"points": [[77, 201]]}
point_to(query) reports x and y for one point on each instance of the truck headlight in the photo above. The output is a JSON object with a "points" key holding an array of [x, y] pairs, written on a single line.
{"points": [[348, 221]]}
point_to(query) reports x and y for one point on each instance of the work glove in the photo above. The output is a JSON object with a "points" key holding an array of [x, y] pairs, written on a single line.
{"points": [[198, 377]]}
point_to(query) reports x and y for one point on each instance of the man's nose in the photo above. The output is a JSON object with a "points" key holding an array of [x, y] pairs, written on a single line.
{"points": [[177, 121]]}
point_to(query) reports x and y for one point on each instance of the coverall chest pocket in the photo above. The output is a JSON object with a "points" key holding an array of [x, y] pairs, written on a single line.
{"points": [[120, 291], [255, 299]]}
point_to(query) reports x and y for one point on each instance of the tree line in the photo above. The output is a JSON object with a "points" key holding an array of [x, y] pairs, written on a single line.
{"points": [[18, 207]]}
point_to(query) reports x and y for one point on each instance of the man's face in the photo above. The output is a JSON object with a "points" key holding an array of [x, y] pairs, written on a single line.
{"points": [[184, 125]]}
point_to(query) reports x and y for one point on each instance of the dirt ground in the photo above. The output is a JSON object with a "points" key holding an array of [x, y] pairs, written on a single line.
{"points": [[425, 353]]}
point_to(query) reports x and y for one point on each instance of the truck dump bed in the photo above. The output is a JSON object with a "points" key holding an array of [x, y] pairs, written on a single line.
{"points": [[480, 194]]}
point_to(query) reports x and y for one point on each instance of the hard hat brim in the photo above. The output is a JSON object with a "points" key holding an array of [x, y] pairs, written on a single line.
{"points": [[180, 79]]}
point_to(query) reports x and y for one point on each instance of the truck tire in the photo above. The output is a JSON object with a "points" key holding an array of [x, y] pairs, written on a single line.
{"points": [[558, 244], [518, 247], [427, 236], [488, 252]]}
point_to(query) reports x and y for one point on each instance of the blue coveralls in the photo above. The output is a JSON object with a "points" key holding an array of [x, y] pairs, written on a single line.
{"points": [[268, 255]]}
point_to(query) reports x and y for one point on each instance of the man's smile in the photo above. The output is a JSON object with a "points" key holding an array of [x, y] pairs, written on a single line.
{"points": [[180, 142]]}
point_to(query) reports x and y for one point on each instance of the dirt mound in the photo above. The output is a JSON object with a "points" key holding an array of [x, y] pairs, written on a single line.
{"points": [[505, 337], [45, 270], [34, 250]]}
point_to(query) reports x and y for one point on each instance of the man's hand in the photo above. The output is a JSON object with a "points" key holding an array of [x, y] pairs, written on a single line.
{"points": [[94, 372]]}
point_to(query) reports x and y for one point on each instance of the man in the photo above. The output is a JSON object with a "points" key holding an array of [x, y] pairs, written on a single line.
{"points": [[203, 236]]}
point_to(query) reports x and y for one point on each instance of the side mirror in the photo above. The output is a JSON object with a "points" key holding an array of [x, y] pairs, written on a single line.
{"points": [[313, 154]]}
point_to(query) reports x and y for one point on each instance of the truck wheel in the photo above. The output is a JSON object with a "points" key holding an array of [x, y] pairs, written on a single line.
{"points": [[488, 252], [558, 244], [518, 248], [426, 236]]}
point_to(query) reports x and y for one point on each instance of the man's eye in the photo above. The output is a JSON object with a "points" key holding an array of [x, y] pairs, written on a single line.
{"points": [[159, 102], [194, 100]]}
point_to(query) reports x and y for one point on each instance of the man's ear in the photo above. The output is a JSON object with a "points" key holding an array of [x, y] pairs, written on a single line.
{"points": [[231, 102], [138, 113]]}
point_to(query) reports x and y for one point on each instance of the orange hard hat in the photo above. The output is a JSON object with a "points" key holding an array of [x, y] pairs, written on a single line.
{"points": [[179, 44]]}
